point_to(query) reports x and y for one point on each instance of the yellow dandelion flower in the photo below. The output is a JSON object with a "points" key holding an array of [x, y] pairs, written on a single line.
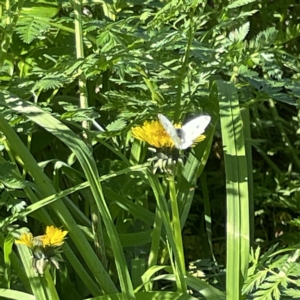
{"points": [[53, 237], [153, 133], [26, 239]]}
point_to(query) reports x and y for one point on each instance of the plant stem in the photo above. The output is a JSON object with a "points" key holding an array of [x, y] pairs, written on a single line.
{"points": [[177, 231]]}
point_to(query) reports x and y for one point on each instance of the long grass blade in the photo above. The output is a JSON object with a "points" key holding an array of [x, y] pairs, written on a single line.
{"points": [[236, 189]]}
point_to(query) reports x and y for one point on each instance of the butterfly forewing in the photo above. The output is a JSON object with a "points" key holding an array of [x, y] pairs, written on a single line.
{"points": [[193, 129], [170, 129]]}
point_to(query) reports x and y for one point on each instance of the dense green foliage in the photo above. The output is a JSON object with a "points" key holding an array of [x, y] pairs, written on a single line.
{"points": [[76, 77]]}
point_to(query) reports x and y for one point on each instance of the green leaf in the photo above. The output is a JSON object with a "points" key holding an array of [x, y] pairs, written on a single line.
{"points": [[30, 29], [41, 8], [12, 294], [9, 176], [238, 35], [239, 3], [116, 125]]}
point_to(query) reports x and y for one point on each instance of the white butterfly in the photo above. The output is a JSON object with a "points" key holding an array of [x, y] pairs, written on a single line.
{"points": [[185, 136]]}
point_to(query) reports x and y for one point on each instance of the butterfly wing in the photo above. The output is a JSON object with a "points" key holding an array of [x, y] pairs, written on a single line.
{"points": [[193, 129], [170, 129]]}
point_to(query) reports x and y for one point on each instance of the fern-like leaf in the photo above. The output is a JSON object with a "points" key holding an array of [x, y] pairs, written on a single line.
{"points": [[51, 81], [239, 3], [266, 37], [116, 125], [239, 34], [31, 28], [292, 293]]}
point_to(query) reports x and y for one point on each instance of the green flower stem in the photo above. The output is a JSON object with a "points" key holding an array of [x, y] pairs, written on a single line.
{"points": [[162, 205], [50, 285], [177, 229]]}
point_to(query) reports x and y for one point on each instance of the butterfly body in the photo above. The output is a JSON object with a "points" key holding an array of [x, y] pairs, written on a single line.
{"points": [[184, 137]]}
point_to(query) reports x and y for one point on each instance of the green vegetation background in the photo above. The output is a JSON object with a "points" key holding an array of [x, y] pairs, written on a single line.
{"points": [[76, 76]]}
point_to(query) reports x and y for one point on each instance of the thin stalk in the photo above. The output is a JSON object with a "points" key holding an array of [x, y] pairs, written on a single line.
{"points": [[83, 99], [179, 273], [153, 256], [156, 96], [207, 214], [10, 23], [50, 285], [83, 103], [177, 229], [186, 58]]}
